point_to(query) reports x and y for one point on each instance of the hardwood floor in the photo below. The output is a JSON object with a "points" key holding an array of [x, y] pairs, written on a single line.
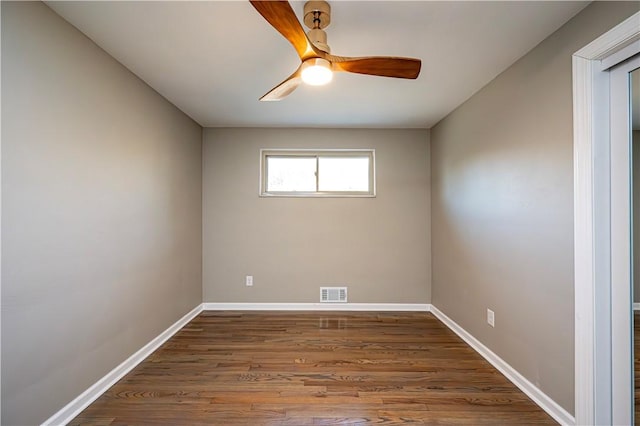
{"points": [[636, 365], [314, 368]]}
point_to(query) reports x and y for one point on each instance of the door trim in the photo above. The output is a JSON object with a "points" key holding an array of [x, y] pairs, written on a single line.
{"points": [[592, 242]]}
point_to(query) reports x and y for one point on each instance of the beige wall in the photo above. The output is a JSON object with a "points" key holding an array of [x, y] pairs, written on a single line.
{"points": [[378, 247], [502, 208], [101, 213]]}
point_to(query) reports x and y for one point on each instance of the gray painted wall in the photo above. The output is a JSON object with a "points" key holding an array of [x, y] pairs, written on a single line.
{"points": [[502, 208], [101, 213], [378, 247]]}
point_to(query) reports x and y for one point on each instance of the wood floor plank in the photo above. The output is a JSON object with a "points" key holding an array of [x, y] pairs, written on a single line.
{"points": [[313, 368], [636, 365]]}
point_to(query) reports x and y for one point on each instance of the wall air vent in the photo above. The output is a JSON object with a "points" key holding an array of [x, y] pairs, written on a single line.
{"points": [[333, 294]]}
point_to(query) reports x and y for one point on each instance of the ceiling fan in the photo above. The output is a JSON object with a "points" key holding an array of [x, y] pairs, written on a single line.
{"points": [[317, 63]]}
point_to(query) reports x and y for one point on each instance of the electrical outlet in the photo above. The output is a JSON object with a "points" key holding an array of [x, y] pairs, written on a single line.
{"points": [[491, 318], [248, 280]]}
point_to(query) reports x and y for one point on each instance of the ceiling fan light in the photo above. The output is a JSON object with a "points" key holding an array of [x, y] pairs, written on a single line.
{"points": [[316, 71]]}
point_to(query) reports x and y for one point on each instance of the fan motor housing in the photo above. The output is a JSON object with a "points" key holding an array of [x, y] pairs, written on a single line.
{"points": [[319, 39]]}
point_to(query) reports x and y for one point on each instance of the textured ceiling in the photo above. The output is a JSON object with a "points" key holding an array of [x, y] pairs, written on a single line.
{"points": [[213, 60]]}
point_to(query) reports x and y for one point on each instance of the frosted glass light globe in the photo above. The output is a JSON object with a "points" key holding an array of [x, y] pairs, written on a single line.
{"points": [[316, 71]]}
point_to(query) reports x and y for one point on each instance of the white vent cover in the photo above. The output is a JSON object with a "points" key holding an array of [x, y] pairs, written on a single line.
{"points": [[333, 294]]}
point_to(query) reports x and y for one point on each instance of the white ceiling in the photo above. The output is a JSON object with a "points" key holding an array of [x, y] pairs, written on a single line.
{"points": [[214, 59]]}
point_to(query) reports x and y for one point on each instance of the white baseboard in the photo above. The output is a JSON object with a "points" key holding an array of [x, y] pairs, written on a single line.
{"points": [[72, 409], [423, 307], [636, 306], [532, 391]]}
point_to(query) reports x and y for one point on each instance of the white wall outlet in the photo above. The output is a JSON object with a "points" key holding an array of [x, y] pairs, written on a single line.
{"points": [[491, 318], [248, 280]]}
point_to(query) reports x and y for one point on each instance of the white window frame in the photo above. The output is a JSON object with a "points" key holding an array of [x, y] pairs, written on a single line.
{"points": [[371, 153]]}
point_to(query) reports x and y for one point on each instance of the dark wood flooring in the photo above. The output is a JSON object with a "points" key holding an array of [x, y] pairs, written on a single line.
{"points": [[314, 368], [636, 366]]}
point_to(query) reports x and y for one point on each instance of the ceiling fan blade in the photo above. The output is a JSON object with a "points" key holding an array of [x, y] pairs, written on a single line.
{"points": [[385, 66], [283, 89], [282, 17]]}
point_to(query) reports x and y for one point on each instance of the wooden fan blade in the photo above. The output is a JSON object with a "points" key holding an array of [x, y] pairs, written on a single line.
{"points": [[285, 88], [386, 66], [282, 17]]}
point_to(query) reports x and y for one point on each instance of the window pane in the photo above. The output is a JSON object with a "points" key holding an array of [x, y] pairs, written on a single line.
{"points": [[291, 174], [343, 174]]}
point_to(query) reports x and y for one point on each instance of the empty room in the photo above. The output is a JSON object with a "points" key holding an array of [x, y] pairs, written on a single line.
{"points": [[318, 213]]}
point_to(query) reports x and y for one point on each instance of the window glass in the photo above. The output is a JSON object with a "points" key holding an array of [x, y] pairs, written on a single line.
{"points": [[343, 174], [291, 174]]}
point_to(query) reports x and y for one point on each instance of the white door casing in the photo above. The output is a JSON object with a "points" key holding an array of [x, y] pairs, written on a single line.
{"points": [[592, 220]]}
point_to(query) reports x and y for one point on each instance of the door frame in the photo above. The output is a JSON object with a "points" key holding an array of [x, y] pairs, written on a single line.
{"points": [[592, 219]]}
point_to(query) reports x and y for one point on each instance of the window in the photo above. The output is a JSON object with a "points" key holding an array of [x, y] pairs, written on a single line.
{"points": [[317, 173]]}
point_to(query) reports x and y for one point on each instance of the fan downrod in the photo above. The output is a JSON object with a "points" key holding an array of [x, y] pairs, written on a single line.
{"points": [[317, 14]]}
